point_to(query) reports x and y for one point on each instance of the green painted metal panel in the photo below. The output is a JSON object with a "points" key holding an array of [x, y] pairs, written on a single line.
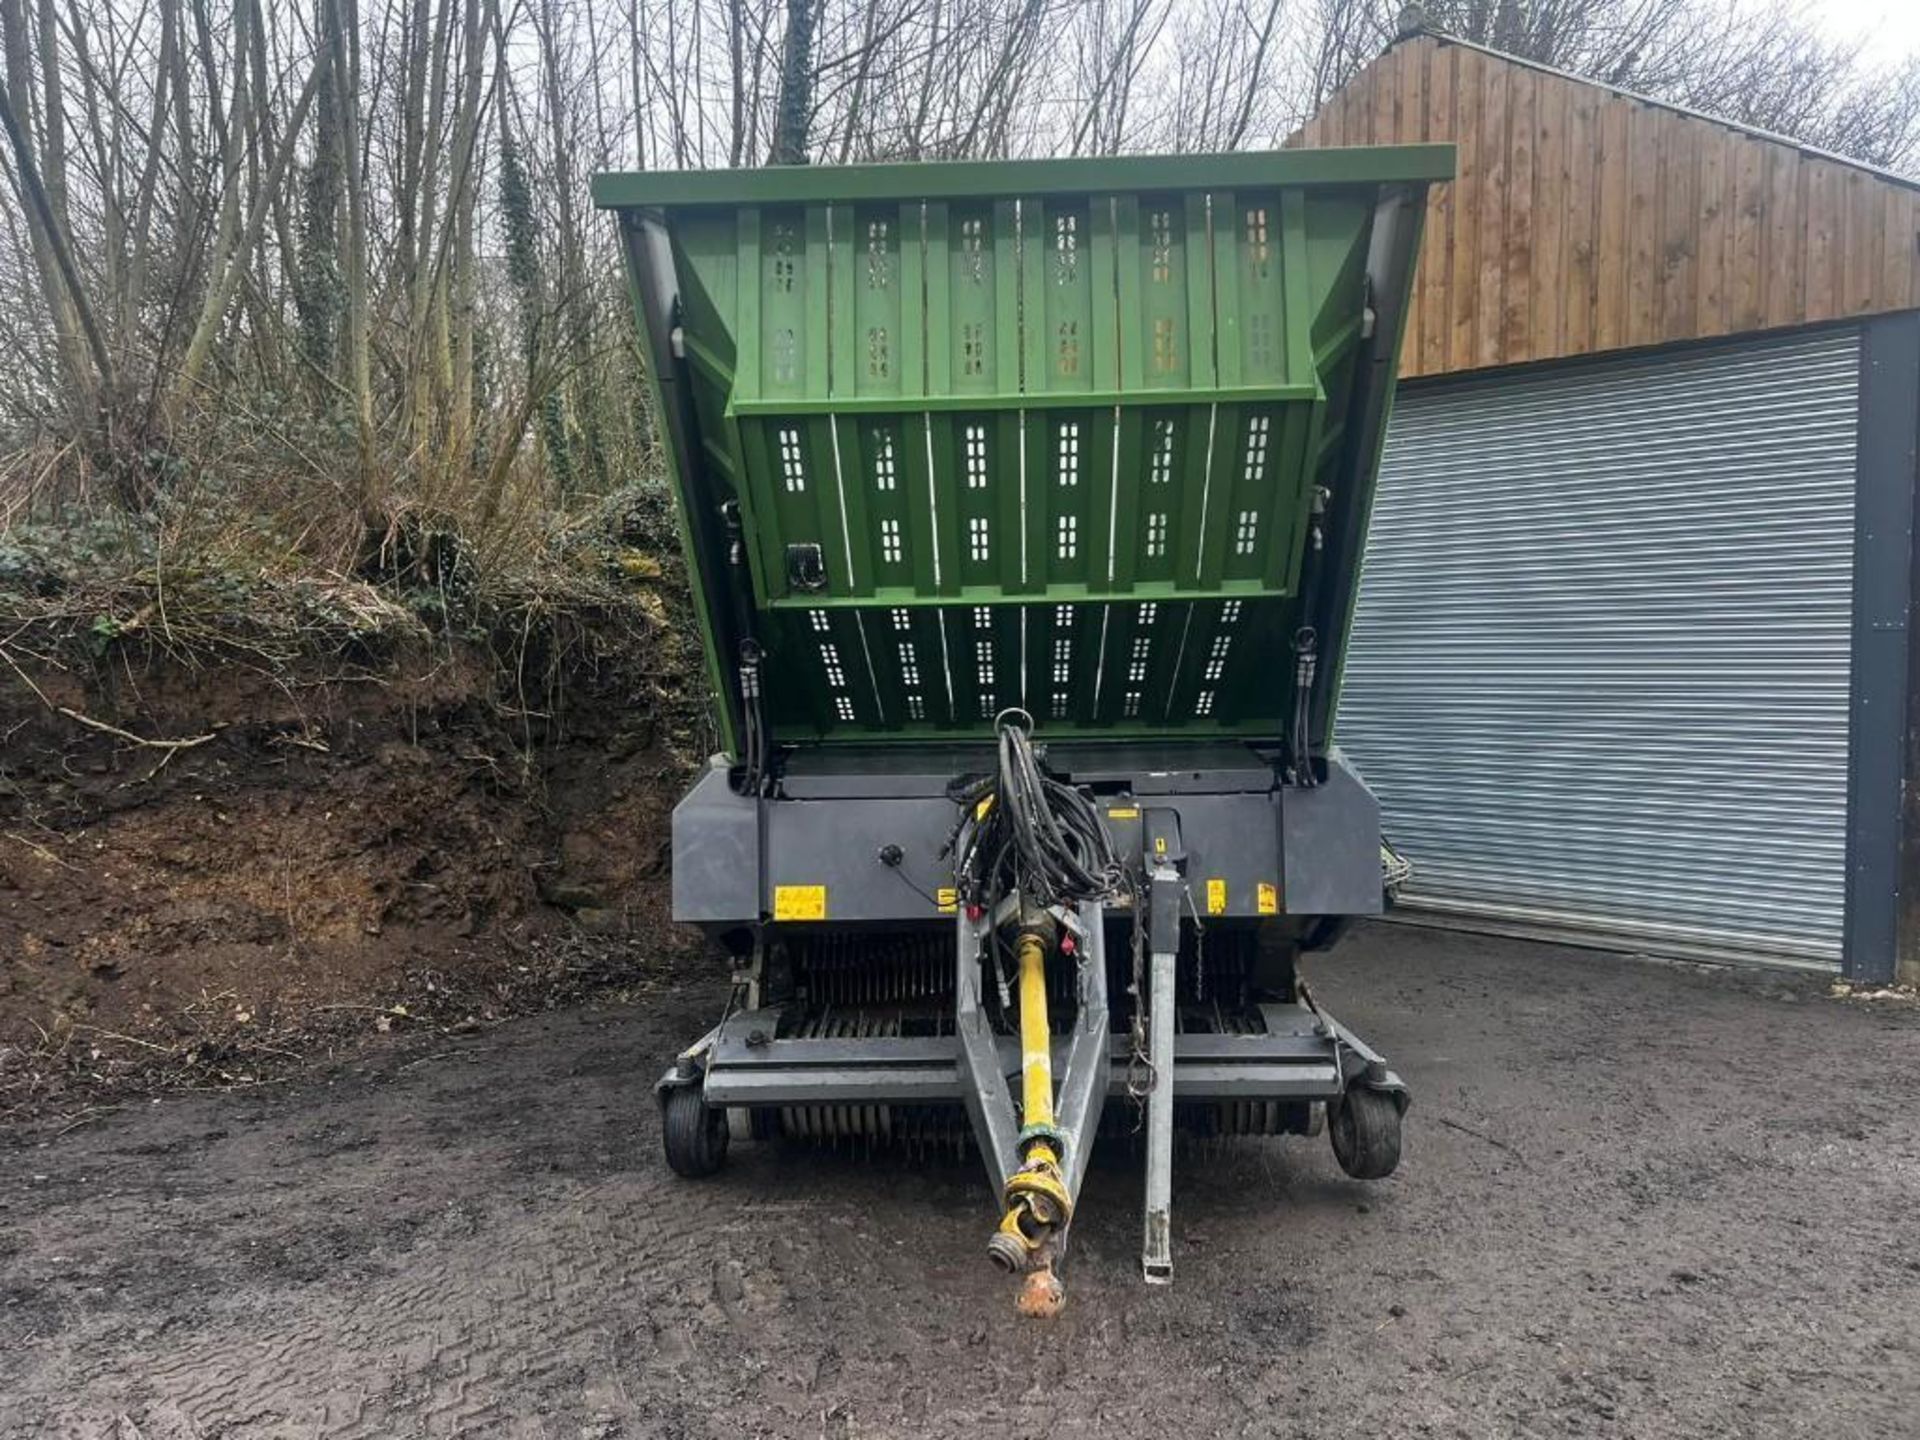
{"points": [[1043, 434], [1360, 167]]}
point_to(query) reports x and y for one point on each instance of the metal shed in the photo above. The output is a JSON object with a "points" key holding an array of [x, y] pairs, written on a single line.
{"points": [[1632, 651], [1603, 663]]}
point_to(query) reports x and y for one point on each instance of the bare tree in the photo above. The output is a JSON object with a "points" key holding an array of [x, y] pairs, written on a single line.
{"points": [[794, 114], [355, 243], [39, 166], [341, 36]]}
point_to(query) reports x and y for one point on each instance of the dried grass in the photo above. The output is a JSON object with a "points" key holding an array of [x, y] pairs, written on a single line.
{"points": [[248, 541]]}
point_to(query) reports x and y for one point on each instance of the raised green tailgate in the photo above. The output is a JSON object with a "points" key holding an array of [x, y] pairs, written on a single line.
{"points": [[1041, 434]]}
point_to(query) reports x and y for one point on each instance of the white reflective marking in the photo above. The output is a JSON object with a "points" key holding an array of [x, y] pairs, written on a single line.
{"points": [[1179, 654], [840, 489], [1023, 503], [1023, 655], [946, 662], [1100, 657], [873, 679], [1206, 489], [1113, 505], [933, 513]]}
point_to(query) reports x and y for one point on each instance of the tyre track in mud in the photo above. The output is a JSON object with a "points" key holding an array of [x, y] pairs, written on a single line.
{"points": [[1691, 1224]]}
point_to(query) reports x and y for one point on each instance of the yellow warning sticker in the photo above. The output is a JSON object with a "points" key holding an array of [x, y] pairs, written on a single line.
{"points": [[1159, 844], [948, 898], [980, 810], [1216, 897], [1267, 898], [799, 902], [1123, 812]]}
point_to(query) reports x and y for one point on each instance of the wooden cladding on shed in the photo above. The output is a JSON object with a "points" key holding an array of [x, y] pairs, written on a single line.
{"points": [[1584, 219]]}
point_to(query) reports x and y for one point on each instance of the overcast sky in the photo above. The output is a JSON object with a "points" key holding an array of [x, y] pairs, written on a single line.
{"points": [[1892, 23]]}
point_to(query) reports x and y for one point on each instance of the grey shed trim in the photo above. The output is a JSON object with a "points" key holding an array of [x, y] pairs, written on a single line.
{"points": [[1881, 845]]}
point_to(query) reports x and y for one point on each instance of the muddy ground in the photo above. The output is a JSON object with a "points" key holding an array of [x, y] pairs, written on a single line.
{"points": [[1637, 1200]]}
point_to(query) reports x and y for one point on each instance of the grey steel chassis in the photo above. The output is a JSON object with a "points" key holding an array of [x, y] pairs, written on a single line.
{"points": [[1198, 823]]}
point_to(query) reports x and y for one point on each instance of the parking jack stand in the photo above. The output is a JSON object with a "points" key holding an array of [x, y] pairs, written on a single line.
{"points": [[1166, 888]]}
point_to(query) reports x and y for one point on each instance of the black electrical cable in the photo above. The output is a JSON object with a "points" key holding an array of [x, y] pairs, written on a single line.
{"points": [[1023, 832], [891, 858], [756, 748], [755, 754], [1305, 650]]}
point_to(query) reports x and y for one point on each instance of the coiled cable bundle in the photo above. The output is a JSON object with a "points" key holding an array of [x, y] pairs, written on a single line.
{"points": [[1021, 831]]}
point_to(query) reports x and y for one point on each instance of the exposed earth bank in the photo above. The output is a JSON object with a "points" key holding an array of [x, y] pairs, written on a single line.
{"points": [[213, 867]]}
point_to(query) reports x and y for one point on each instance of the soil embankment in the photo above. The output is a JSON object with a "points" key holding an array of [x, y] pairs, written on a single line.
{"points": [[213, 865]]}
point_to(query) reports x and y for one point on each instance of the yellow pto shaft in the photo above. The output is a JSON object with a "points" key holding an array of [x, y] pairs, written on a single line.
{"points": [[1036, 1036], [1038, 1203]]}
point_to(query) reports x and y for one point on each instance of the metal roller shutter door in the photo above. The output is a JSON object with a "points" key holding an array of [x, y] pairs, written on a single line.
{"points": [[1598, 676]]}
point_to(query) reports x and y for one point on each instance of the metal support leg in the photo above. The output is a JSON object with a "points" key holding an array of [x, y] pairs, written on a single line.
{"points": [[1163, 921], [1156, 1255]]}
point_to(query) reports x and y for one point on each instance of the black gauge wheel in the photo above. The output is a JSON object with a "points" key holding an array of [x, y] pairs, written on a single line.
{"points": [[695, 1133], [1364, 1126]]}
